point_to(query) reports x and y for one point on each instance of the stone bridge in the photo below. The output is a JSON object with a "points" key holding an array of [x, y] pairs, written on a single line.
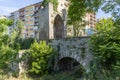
{"points": [[72, 51]]}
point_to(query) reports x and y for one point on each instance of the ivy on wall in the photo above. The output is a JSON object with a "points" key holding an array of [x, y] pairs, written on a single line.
{"points": [[54, 2]]}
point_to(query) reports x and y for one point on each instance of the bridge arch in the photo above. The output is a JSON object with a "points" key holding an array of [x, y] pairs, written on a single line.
{"points": [[67, 64], [58, 27], [76, 48]]}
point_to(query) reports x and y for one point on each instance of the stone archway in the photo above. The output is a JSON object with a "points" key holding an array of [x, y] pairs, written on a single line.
{"points": [[76, 48], [58, 27], [67, 64]]}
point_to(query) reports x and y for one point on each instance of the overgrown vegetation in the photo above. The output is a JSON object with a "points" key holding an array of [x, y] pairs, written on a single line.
{"points": [[26, 43], [8, 46], [39, 58], [105, 44], [56, 76], [113, 7], [54, 2], [106, 47]]}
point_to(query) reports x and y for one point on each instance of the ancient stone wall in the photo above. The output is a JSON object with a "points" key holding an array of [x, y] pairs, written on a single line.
{"points": [[77, 48], [74, 48], [47, 18], [44, 23]]}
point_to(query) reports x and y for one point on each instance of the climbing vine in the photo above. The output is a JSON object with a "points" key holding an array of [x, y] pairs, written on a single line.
{"points": [[54, 2]]}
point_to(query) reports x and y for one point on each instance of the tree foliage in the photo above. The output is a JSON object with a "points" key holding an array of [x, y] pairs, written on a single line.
{"points": [[106, 45], [19, 27], [3, 24], [54, 2], [9, 46], [77, 11], [7, 52], [78, 27], [112, 6], [40, 54], [26, 43]]}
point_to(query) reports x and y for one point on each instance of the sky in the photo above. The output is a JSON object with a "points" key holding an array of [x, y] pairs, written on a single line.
{"points": [[7, 6]]}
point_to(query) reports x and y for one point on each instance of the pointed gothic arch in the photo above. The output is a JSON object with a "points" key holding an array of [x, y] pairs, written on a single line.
{"points": [[58, 27]]}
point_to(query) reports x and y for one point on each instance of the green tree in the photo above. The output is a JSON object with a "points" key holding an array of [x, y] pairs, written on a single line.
{"points": [[77, 11], [78, 27], [9, 47], [7, 52], [113, 7], [40, 54], [18, 29], [26, 43], [16, 34], [106, 45]]}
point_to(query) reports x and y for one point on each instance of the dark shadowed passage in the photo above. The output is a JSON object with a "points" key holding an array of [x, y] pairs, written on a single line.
{"points": [[67, 64]]}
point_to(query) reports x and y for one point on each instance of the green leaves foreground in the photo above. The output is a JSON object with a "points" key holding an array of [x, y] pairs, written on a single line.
{"points": [[106, 45], [40, 54]]}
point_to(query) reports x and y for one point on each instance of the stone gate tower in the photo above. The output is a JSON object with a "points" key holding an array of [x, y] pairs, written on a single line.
{"points": [[52, 24]]}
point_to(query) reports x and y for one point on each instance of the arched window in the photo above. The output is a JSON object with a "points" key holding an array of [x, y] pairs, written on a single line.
{"points": [[58, 27]]}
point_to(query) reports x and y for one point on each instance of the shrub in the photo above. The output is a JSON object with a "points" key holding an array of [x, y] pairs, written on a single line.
{"points": [[26, 43], [40, 54], [106, 48]]}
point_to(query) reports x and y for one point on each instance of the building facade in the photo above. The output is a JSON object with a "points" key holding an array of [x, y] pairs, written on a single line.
{"points": [[30, 21], [91, 19]]}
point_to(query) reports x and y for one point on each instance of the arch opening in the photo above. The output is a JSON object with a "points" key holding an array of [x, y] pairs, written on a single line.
{"points": [[67, 64], [58, 27]]}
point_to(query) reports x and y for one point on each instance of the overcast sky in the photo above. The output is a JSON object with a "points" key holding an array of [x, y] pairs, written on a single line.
{"points": [[7, 6]]}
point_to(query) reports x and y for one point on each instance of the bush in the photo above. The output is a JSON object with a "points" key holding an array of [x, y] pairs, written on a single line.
{"points": [[40, 54], [26, 43], [8, 53], [106, 48]]}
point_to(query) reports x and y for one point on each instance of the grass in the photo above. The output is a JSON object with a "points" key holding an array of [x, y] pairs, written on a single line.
{"points": [[55, 76]]}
